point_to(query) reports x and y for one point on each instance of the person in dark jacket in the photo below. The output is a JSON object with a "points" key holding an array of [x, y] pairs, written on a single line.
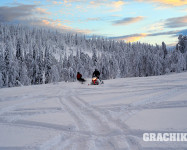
{"points": [[79, 77], [96, 73]]}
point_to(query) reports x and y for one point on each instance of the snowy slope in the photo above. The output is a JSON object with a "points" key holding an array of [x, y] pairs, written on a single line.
{"points": [[113, 116]]}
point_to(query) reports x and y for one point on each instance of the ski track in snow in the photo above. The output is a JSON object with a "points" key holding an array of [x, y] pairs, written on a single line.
{"points": [[95, 127]]}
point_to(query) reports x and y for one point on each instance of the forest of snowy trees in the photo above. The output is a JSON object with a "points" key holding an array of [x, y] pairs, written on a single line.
{"points": [[31, 55]]}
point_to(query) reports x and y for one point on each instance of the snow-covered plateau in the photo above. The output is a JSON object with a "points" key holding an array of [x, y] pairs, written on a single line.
{"points": [[112, 116]]}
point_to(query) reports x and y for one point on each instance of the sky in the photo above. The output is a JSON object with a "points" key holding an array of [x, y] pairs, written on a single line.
{"points": [[147, 21]]}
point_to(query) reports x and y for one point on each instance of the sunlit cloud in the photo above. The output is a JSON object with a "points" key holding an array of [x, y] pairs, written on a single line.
{"points": [[46, 22], [102, 17], [161, 7], [78, 7], [135, 38], [57, 3], [42, 11], [130, 38], [34, 15], [37, 2], [167, 2], [113, 6], [58, 24], [51, 23], [159, 26], [139, 36], [129, 20], [117, 5]]}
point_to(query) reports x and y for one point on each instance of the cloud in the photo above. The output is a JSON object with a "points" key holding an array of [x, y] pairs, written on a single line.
{"points": [[57, 3], [120, 3], [167, 2], [42, 11], [172, 33], [158, 26], [13, 13], [58, 24], [138, 36], [46, 22], [165, 33], [135, 38], [176, 22], [93, 19], [21, 12], [37, 2], [130, 38], [162, 25], [183, 32], [117, 5], [128, 20], [34, 15], [105, 19], [113, 5]]}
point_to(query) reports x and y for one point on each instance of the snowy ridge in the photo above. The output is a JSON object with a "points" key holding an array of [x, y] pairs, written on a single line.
{"points": [[74, 116]]}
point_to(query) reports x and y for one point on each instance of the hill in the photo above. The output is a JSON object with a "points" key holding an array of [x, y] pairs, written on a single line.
{"points": [[112, 116]]}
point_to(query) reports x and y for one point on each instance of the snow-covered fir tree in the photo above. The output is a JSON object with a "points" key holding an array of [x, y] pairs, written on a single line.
{"points": [[37, 56]]}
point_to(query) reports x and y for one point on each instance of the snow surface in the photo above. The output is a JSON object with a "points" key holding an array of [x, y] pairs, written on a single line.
{"points": [[112, 116]]}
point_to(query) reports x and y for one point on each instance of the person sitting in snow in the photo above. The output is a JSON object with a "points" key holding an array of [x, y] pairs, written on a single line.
{"points": [[79, 77]]}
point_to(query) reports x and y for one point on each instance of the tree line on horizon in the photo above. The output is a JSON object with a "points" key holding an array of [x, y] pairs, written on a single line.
{"points": [[30, 56]]}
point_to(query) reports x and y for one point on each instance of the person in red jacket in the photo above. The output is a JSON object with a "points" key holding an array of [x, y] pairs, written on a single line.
{"points": [[79, 77]]}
